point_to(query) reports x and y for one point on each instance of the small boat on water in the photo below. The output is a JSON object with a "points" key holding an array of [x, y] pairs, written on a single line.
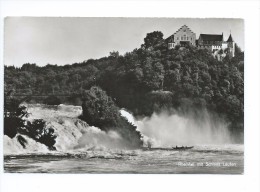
{"points": [[149, 148], [182, 147]]}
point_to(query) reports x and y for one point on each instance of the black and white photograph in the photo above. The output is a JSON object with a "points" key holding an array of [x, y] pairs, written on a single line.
{"points": [[123, 95]]}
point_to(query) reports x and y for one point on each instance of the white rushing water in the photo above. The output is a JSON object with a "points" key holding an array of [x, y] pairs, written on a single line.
{"points": [[72, 133], [166, 130], [87, 149], [161, 130]]}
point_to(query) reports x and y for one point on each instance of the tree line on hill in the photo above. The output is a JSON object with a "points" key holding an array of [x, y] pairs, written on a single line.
{"points": [[148, 79]]}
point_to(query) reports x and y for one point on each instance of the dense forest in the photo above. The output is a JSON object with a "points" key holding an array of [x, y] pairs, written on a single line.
{"points": [[149, 79]]}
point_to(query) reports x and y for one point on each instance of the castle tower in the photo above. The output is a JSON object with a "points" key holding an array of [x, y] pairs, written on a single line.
{"points": [[231, 45]]}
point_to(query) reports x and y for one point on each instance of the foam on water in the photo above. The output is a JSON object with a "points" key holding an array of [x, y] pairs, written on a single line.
{"points": [[162, 130], [166, 130], [73, 134], [12, 146]]}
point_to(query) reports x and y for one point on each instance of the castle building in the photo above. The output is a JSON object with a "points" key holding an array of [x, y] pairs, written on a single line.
{"points": [[182, 37], [212, 42], [231, 46]]}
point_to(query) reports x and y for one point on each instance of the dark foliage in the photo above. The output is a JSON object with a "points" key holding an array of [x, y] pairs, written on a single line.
{"points": [[99, 110], [22, 140], [52, 100], [15, 123], [148, 79], [40, 133]]}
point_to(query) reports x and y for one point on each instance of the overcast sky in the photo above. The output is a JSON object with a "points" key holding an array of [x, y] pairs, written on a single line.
{"points": [[64, 40]]}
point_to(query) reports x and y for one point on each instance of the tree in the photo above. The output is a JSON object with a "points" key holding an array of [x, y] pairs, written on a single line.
{"points": [[114, 54], [13, 121], [237, 49], [153, 40], [100, 110], [153, 74], [52, 100], [39, 131], [186, 72]]}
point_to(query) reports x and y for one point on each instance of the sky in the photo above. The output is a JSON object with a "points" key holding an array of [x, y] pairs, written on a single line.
{"points": [[66, 40]]}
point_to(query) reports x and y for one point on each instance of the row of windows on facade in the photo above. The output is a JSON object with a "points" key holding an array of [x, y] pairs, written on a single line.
{"points": [[171, 45], [211, 42], [204, 46], [208, 46], [184, 38]]}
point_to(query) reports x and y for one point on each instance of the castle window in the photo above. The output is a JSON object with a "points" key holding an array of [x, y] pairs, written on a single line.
{"points": [[171, 45]]}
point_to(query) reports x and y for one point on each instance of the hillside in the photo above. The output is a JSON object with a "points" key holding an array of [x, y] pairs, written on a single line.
{"points": [[149, 79]]}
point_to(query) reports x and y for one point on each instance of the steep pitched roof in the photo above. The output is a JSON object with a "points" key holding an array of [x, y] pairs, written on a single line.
{"points": [[184, 26], [211, 37], [170, 39], [230, 39]]}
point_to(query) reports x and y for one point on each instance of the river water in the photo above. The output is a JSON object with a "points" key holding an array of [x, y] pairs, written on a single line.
{"points": [[226, 159], [86, 149]]}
